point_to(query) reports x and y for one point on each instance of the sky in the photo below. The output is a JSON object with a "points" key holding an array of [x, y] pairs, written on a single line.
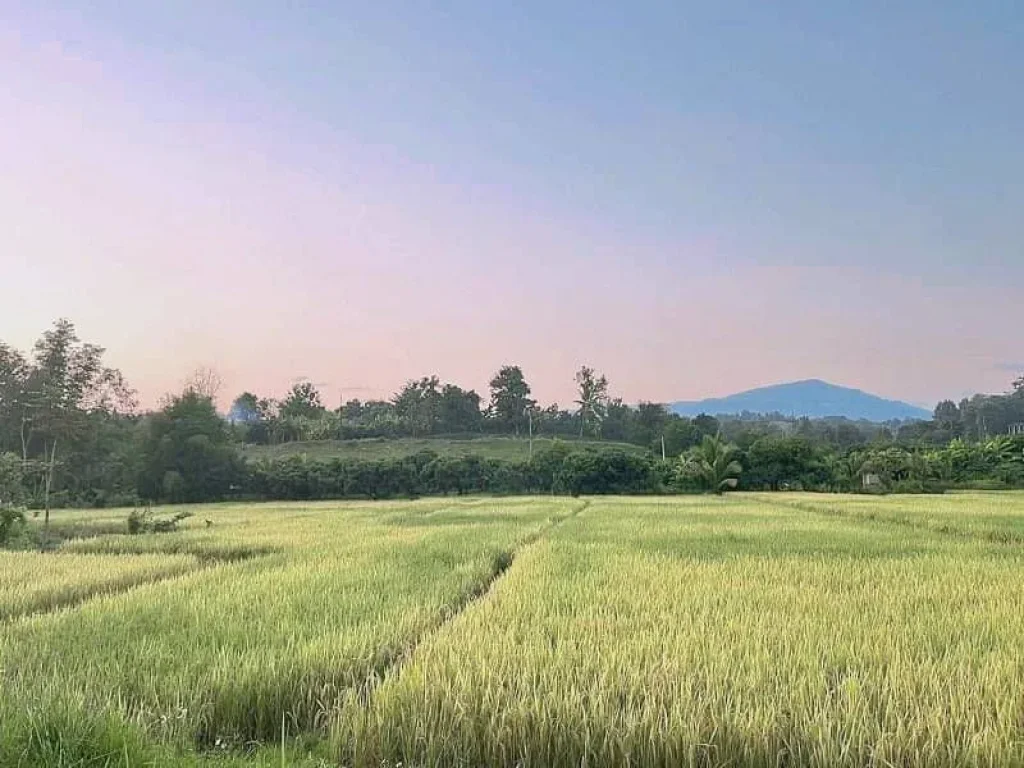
{"points": [[693, 198]]}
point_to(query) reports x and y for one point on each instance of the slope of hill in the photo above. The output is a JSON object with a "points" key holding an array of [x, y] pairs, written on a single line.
{"points": [[813, 397], [491, 447]]}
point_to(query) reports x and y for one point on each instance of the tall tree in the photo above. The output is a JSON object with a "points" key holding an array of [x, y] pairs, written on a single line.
{"points": [[302, 402], [510, 398], [254, 418], [620, 421], [708, 425], [592, 399], [417, 405], [11, 487], [187, 453], [680, 435], [245, 409], [651, 419], [458, 410], [67, 381], [14, 371], [947, 414]]}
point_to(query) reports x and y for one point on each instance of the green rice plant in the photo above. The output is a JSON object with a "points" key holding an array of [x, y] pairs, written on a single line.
{"points": [[236, 654], [714, 632], [996, 516], [32, 581], [749, 630]]}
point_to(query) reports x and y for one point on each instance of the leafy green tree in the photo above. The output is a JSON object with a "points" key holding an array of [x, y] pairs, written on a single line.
{"points": [[245, 409], [840, 471], [619, 422], [713, 463], [187, 454], [510, 398], [892, 464], [947, 414], [781, 462], [680, 435], [459, 410], [66, 382], [592, 400], [707, 425], [374, 418], [417, 405], [651, 420], [554, 421], [253, 418], [605, 471], [303, 401], [14, 371], [302, 416], [12, 488]]}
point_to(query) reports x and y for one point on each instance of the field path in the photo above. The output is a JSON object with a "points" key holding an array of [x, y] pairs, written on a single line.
{"points": [[479, 593]]}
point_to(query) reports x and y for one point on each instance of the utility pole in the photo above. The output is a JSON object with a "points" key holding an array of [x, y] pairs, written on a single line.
{"points": [[662, 447], [529, 414]]}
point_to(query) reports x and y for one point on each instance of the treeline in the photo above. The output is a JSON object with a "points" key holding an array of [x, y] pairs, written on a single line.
{"points": [[427, 407], [787, 463], [559, 469], [71, 434]]}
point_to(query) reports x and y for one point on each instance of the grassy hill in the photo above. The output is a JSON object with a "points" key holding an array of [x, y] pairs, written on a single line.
{"points": [[492, 447]]}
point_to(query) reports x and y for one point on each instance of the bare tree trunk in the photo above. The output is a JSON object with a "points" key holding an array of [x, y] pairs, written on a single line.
{"points": [[49, 483]]}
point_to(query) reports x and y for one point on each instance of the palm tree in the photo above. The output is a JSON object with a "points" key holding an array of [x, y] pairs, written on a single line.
{"points": [[593, 398], [845, 472], [714, 462]]}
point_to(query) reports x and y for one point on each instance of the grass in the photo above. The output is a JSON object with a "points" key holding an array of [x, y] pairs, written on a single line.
{"points": [[508, 448], [749, 630]]}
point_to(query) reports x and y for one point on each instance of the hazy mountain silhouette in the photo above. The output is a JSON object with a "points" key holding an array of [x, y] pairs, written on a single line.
{"points": [[813, 397]]}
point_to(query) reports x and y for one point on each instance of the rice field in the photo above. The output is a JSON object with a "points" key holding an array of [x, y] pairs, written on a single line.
{"points": [[749, 630]]}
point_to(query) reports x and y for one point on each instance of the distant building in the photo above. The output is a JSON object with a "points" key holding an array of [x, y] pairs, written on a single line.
{"points": [[871, 480], [1016, 429]]}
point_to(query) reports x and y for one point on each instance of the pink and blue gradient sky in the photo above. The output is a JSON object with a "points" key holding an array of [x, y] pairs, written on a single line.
{"points": [[693, 199]]}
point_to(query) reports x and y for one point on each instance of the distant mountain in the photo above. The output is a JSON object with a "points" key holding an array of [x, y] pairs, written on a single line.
{"points": [[813, 397]]}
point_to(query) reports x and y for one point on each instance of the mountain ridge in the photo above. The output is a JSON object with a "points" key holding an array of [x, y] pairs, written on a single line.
{"points": [[814, 398]]}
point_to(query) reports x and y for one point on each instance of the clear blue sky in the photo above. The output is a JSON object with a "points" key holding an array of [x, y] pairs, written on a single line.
{"points": [[696, 198]]}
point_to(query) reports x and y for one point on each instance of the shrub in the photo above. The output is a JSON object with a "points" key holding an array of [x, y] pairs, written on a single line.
{"points": [[144, 522], [11, 521]]}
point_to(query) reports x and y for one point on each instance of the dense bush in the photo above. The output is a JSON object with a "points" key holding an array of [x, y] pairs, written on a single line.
{"points": [[12, 489], [187, 452], [561, 468], [556, 470], [605, 472]]}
